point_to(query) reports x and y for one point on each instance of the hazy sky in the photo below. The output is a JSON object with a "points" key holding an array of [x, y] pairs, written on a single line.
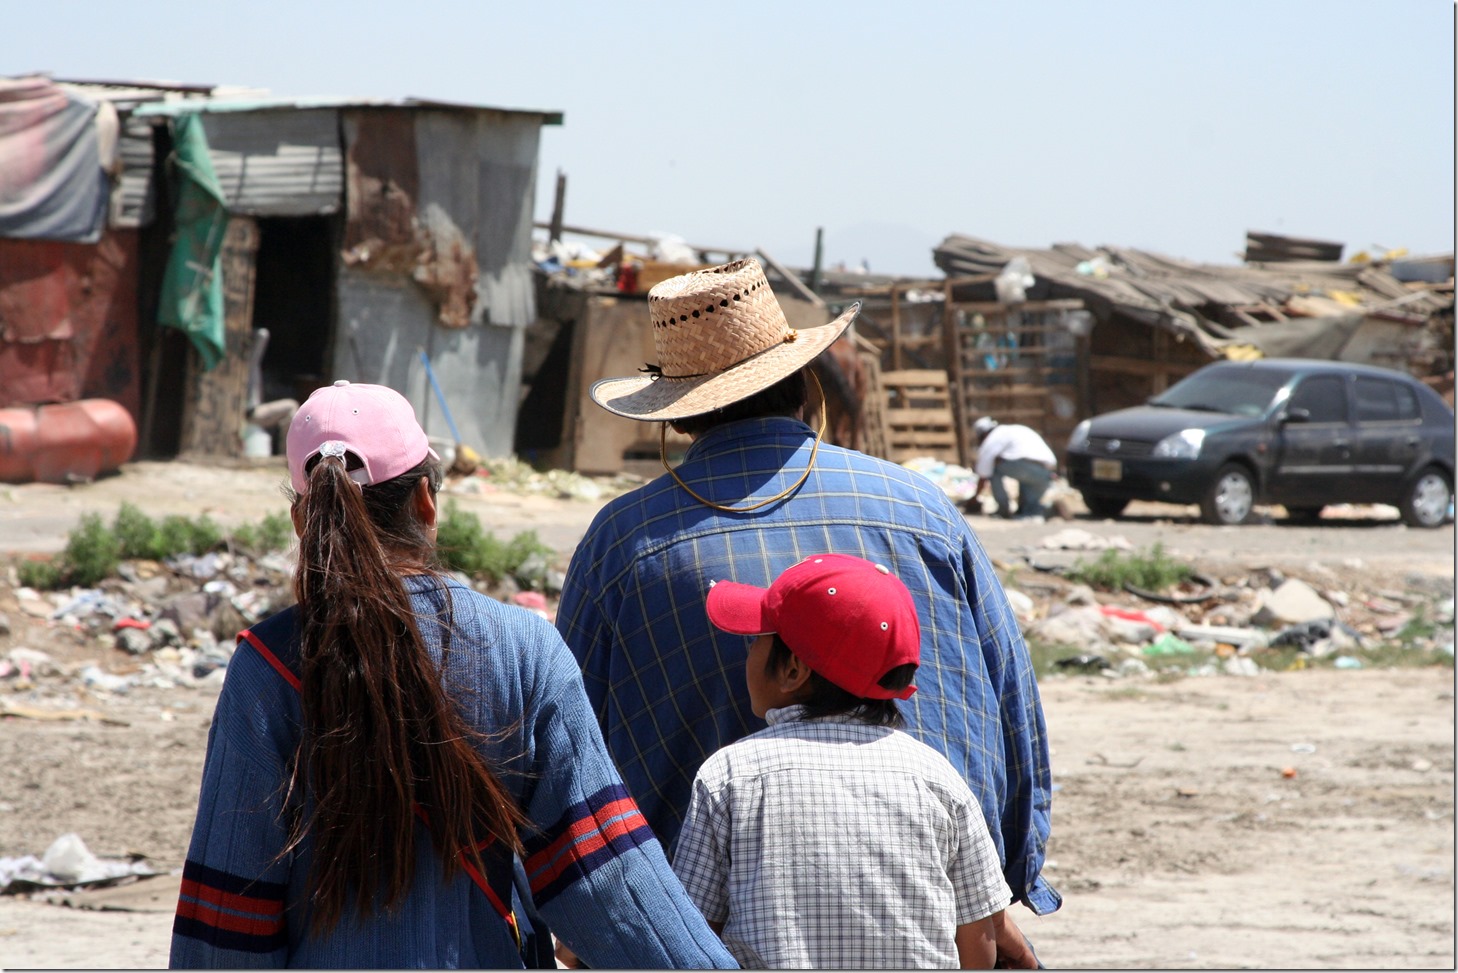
{"points": [[1163, 124]]}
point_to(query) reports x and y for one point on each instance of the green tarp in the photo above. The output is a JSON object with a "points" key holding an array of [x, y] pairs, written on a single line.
{"points": [[192, 287]]}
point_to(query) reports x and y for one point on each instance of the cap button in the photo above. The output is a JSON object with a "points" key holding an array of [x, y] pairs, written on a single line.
{"points": [[342, 381]]}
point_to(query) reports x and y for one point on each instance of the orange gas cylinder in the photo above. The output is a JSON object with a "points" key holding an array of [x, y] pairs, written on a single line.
{"points": [[66, 443]]}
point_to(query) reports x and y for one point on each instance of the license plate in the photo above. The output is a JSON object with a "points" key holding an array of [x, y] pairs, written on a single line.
{"points": [[1108, 469]]}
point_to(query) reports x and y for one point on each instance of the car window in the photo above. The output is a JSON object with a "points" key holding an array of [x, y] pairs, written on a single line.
{"points": [[1323, 396], [1379, 400], [1238, 391]]}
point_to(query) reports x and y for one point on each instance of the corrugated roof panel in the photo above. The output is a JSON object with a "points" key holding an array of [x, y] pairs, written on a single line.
{"points": [[133, 198], [247, 104], [277, 163]]}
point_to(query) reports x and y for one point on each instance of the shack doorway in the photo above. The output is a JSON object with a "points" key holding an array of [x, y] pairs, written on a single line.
{"points": [[294, 300]]}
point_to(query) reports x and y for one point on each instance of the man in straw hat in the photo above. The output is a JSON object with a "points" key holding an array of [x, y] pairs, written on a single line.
{"points": [[756, 492]]}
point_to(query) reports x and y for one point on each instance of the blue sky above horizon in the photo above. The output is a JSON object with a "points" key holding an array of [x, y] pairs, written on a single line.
{"points": [[1172, 127]]}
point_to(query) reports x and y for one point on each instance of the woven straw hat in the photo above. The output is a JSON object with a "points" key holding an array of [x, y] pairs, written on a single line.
{"points": [[721, 336]]}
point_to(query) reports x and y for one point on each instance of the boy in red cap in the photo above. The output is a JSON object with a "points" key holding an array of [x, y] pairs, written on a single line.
{"points": [[831, 838]]}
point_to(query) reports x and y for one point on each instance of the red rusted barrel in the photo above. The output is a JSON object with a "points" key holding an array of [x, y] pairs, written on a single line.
{"points": [[66, 443]]}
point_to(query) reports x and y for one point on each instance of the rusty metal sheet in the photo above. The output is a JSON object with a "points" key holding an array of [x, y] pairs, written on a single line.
{"points": [[383, 184], [68, 321], [386, 231]]}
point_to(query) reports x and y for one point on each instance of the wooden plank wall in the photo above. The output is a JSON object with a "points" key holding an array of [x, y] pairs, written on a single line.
{"points": [[1016, 363], [214, 403]]}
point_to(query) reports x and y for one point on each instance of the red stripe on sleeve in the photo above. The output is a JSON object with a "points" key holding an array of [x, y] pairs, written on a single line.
{"points": [[205, 913], [231, 900], [624, 825], [579, 828]]}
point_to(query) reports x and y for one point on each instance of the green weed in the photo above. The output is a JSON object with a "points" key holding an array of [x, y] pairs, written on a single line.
{"points": [[1149, 570], [137, 534], [273, 533], [465, 546], [41, 575], [92, 552]]}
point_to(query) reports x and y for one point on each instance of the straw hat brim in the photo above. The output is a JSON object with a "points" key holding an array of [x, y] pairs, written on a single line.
{"points": [[660, 399]]}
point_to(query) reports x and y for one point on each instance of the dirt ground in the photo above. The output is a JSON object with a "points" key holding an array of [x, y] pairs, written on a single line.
{"points": [[1292, 820]]}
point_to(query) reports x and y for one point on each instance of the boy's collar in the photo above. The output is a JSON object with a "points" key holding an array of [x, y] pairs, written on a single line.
{"points": [[790, 714], [783, 714]]}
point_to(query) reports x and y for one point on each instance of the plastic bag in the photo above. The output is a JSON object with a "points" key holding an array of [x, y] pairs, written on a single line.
{"points": [[1013, 283]]}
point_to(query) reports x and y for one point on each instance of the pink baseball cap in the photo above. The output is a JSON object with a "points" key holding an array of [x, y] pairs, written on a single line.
{"points": [[848, 619], [373, 422]]}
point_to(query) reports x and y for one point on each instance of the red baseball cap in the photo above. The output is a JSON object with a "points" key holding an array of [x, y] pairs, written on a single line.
{"points": [[373, 422], [848, 619]]}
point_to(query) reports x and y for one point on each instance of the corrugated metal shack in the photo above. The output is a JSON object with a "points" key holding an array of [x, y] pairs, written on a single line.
{"points": [[360, 233]]}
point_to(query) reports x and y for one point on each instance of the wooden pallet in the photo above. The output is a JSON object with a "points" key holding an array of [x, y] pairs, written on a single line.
{"points": [[918, 415]]}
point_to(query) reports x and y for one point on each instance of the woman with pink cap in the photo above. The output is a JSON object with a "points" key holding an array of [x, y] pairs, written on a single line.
{"points": [[402, 771]]}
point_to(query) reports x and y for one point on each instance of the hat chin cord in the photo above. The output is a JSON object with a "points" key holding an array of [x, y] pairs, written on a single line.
{"points": [[819, 435]]}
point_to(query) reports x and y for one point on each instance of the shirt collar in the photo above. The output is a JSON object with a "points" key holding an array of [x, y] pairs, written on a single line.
{"points": [[733, 434], [792, 713]]}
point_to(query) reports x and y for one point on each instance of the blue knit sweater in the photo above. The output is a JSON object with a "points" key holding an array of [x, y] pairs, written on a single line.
{"points": [[596, 871]]}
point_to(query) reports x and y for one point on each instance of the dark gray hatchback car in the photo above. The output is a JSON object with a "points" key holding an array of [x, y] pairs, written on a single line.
{"points": [[1300, 433]]}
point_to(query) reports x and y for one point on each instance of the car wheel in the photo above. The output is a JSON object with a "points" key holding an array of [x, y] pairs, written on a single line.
{"points": [[1104, 508], [1304, 515], [1425, 500], [1230, 499]]}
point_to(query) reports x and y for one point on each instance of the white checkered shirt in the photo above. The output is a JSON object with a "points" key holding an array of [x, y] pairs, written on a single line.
{"points": [[832, 844]]}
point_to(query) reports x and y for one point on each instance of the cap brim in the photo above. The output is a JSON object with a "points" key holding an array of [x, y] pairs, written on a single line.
{"points": [[739, 609], [663, 399]]}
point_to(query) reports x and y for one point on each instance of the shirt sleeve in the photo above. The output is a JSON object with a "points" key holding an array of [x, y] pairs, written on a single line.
{"points": [[987, 453], [701, 853], [582, 626], [1024, 818], [230, 913], [597, 872], [974, 869]]}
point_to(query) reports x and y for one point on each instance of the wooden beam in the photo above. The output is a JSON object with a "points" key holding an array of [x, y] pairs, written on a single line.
{"points": [[554, 229], [1027, 307], [1123, 365], [633, 238], [793, 279]]}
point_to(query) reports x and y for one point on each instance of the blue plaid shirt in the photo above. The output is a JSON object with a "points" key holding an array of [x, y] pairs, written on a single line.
{"points": [[669, 689]]}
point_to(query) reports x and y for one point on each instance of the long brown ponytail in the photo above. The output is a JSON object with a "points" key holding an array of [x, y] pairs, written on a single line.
{"points": [[381, 742]]}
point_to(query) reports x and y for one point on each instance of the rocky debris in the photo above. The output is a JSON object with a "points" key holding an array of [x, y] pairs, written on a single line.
{"points": [[1293, 602], [510, 475], [1238, 623], [172, 625], [168, 625]]}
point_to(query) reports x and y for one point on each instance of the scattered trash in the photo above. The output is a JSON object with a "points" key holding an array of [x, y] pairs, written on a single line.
{"points": [[1074, 539], [67, 863], [1288, 772], [1169, 644], [92, 677], [1083, 663], [1303, 748], [957, 482], [1347, 662]]}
